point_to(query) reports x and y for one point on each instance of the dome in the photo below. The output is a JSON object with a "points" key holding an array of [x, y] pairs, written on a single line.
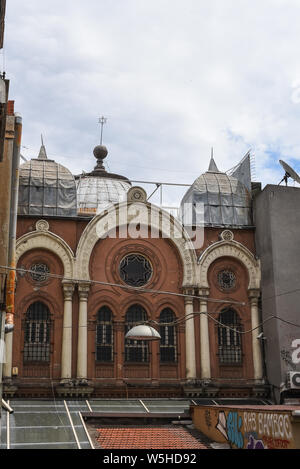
{"points": [[217, 200], [99, 189], [95, 194], [46, 188]]}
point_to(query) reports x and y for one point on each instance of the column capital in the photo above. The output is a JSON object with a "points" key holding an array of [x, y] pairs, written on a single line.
{"points": [[189, 290], [83, 290], [203, 292], [68, 289], [254, 294]]}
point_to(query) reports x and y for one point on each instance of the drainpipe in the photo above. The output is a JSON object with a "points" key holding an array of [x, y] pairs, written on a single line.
{"points": [[11, 283]]}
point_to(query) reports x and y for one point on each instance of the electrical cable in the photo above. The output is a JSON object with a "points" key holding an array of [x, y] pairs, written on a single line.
{"points": [[179, 320], [124, 287]]}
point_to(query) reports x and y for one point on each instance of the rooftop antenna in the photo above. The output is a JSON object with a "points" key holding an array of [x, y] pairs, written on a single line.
{"points": [[102, 121], [289, 173]]}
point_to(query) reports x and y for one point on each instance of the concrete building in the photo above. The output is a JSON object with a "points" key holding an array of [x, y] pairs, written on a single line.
{"points": [[277, 220]]}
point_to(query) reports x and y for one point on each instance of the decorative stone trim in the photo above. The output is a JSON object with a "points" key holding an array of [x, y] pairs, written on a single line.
{"points": [[68, 289], [137, 194], [83, 290], [230, 249], [98, 229], [227, 235], [51, 242], [42, 225]]}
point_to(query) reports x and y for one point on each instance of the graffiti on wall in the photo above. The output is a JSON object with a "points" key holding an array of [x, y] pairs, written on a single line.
{"points": [[230, 427], [255, 430], [274, 429]]}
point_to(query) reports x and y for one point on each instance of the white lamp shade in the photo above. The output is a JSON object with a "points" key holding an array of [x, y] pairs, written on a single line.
{"points": [[142, 332]]}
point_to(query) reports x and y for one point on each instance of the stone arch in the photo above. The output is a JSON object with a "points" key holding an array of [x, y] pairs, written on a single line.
{"points": [[111, 219], [229, 249], [51, 242]]}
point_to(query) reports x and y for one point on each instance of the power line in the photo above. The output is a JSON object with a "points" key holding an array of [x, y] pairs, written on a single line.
{"points": [[179, 320], [125, 287]]}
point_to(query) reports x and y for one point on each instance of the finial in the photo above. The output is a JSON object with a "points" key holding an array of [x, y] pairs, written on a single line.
{"points": [[212, 165], [100, 152], [102, 121], [43, 153]]}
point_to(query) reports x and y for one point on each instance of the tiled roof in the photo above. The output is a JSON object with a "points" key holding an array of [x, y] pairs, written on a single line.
{"points": [[147, 437]]}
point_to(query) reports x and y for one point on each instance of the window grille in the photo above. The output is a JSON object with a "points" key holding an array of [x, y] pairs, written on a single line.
{"points": [[168, 342], [37, 333], [229, 341], [104, 335], [135, 270], [226, 279], [136, 350], [39, 272]]}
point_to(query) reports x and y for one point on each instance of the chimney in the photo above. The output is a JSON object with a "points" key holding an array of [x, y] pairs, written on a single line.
{"points": [[10, 108]]}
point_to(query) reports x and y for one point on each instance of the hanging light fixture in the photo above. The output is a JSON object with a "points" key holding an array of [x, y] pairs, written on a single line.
{"points": [[143, 332]]}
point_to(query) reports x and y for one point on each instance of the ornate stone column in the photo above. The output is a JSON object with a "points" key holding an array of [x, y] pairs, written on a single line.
{"points": [[66, 355], [83, 291], [256, 345], [204, 336], [190, 353]]}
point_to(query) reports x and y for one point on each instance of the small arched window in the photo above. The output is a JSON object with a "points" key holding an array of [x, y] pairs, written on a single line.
{"points": [[229, 338], [168, 343], [37, 333], [136, 350], [104, 335]]}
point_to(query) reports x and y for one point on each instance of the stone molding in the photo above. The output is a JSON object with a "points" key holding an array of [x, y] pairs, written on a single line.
{"points": [[98, 229], [68, 289], [51, 242], [229, 249]]}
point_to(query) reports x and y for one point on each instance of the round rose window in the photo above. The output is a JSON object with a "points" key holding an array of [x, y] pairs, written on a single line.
{"points": [[135, 270]]}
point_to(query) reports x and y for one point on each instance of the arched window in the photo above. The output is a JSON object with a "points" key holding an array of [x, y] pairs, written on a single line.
{"points": [[104, 335], [135, 350], [168, 345], [37, 333], [229, 341]]}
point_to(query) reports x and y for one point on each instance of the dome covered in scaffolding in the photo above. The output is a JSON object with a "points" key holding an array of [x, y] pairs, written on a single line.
{"points": [[218, 200], [99, 189], [46, 188]]}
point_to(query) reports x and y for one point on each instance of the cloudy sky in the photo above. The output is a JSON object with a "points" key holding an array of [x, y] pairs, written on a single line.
{"points": [[173, 78]]}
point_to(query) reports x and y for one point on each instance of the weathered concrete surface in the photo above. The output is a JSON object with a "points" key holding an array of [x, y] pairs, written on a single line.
{"points": [[277, 219]]}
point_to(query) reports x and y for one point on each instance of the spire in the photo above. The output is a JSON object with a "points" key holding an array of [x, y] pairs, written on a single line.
{"points": [[212, 165], [43, 153]]}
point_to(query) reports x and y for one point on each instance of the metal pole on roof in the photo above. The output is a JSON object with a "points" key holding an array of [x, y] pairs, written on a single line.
{"points": [[102, 121]]}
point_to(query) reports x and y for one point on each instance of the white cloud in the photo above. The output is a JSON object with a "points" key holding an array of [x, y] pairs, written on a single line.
{"points": [[173, 79]]}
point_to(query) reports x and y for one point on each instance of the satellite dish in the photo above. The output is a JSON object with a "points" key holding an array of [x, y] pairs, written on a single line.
{"points": [[289, 173]]}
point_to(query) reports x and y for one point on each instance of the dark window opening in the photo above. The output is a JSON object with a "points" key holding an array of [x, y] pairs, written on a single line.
{"points": [[229, 338], [168, 342], [136, 350], [37, 333], [104, 335]]}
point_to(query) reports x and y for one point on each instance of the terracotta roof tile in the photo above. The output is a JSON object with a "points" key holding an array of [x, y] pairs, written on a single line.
{"points": [[147, 437]]}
